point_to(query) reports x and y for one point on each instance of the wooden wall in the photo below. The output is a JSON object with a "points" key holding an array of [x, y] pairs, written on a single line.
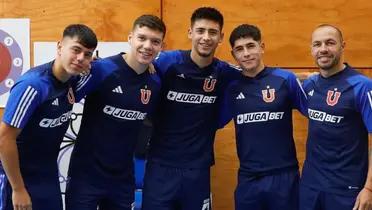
{"points": [[286, 28]]}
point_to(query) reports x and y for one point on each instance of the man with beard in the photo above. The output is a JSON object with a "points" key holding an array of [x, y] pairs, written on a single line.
{"points": [[121, 93], [336, 173], [181, 149]]}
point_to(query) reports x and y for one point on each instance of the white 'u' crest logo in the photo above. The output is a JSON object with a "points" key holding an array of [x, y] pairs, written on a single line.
{"points": [[332, 97], [268, 95], [209, 84], [70, 96], [145, 96]]}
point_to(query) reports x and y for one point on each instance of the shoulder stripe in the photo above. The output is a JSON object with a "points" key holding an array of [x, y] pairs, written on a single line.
{"points": [[370, 98], [299, 84], [83, 81], [20, 104], [27, 106], [23, 105], [235, 66], [2, 188]]}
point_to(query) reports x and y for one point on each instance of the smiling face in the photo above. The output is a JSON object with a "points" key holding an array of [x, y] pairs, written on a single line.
{"points": [[145, 44], [74, 57], [327, 48], [248, 53], [205, 36]]}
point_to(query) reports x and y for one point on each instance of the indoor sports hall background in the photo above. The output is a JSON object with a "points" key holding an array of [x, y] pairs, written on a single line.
{"points": [[286, 27]]}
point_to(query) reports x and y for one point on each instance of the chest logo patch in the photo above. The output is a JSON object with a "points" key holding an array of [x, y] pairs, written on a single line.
{"points": [[145, 96], [70, 96], [117, 90], [268, 95], [55, 102], [209, 84], [310, 93], [332, 97], [240, 96]]}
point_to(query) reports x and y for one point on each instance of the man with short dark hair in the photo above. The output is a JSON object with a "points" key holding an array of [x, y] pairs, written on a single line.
{"points": [[336, 172], [121, 93], [35, 120], [260, 102], [181, 149]]}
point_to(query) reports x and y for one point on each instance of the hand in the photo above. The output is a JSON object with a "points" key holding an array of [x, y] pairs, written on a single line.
{"points": [[364, 200], [152, 69], [21, 200]]}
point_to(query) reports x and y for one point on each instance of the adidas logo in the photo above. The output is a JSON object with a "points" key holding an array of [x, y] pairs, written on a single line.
{"points": [[117, 89], [311, 93], [240, 96], [55, 102], [181, 75]]}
